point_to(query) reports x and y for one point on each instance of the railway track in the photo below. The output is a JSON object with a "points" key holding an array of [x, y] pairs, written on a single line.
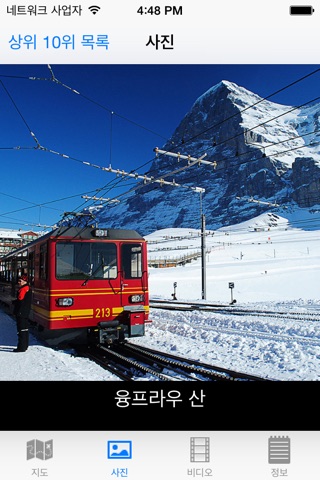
{"points": [[132, 362], [233, 310]]}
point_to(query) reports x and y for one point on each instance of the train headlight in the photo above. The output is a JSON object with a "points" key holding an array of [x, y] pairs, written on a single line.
{"points": [[65, 302], [100, 232], [136, 298]]}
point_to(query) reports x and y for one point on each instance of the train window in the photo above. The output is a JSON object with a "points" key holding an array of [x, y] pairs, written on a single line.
{"points": [[131, 259], [83, 260]]}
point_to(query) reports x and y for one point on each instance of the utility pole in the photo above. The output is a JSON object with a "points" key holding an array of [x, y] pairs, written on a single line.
{"points": [[194, 161], [203, 252], [203, 256]]}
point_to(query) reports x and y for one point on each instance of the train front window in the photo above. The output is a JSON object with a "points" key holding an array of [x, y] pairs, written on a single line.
{"points": [[131, 258], [84, 260]]}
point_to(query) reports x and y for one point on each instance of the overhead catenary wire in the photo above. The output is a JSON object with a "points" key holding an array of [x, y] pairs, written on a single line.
{"points": [[53, 78], [119, 173], [135, 175], [40, 147], [215, 125], [146, 179]]}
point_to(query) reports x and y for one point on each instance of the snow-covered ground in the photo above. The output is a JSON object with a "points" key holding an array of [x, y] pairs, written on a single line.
{"points": [[272, 266]]}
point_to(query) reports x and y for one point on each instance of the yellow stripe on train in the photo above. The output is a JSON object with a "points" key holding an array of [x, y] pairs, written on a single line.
{"points": [[87, 313]]}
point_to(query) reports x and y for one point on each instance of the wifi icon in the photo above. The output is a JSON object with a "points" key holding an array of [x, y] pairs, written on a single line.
{"points": [[94, 9]]}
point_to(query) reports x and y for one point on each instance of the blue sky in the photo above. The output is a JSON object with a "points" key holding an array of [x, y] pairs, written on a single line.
{"points": [[122, 112]]}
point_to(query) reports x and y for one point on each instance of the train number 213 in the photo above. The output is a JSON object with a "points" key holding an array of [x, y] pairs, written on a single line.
{"points": [[102, 312]]}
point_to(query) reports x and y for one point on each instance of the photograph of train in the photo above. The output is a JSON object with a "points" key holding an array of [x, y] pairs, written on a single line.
{"points": [[276, 338], [176, 215]]}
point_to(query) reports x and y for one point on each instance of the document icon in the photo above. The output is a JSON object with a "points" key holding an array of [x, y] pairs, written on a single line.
{"points": [[279, 450]]}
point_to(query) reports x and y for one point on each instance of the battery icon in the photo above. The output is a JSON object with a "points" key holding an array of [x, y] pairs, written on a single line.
{"points": [[301, 10]]}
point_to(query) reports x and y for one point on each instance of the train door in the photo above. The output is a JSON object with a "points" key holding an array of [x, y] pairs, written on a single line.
{"points": [[131, 266], [133, 287]]}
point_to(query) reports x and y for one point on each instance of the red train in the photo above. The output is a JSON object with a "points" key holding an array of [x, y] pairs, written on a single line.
{"points": [[88, 284]]}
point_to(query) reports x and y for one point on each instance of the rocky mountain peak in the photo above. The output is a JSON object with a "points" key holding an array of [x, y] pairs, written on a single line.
{"points": [[258, 150]]}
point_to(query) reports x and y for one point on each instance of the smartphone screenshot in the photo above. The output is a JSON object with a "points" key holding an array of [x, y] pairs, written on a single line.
{"points": [[159, 240]]}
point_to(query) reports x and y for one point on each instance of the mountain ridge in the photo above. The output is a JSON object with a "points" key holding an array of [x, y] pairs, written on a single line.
{"points": [[258, 149]]}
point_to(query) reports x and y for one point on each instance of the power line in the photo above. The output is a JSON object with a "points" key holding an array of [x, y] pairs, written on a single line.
{"points": [[53, 78]]}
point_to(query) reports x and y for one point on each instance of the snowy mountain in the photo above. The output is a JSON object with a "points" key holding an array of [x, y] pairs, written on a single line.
{"points": [[261, 154]]}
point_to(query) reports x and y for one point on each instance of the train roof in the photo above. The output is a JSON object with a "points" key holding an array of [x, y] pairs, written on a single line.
{"points": [[88, 233], [85, 233]]}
